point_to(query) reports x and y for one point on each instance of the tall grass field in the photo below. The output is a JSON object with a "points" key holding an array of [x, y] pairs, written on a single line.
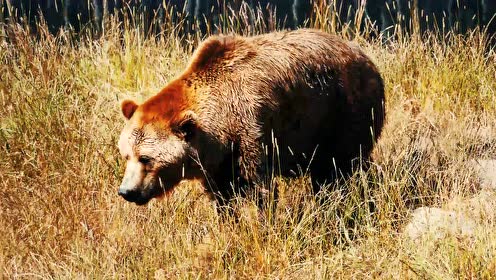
{"points": [[61, 217]]}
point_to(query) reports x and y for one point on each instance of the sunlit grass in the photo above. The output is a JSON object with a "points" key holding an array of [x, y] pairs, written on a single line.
{"points": [[60, 169]]}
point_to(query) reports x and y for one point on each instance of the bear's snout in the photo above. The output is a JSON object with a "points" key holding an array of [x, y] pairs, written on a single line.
{"points": [[133, 196]]}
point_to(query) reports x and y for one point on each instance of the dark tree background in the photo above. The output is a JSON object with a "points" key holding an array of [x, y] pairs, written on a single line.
{"points": [[198, 15]]}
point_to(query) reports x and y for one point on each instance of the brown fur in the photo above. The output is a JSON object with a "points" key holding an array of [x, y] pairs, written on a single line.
{"points": [[305, 89]]}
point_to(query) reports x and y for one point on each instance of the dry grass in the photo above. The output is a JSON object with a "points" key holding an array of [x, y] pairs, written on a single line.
{"points": [[60, 169]]}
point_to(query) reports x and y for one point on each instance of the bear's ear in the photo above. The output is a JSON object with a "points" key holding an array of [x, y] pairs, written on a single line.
{"points": [[187, 126], [211, 50], [128, 108]]}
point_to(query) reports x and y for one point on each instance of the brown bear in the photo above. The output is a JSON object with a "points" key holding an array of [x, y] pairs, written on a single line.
{"points": [[247, 108]]}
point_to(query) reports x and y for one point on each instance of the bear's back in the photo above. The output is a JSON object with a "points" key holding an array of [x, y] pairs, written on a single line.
{"points": [[311, 92]]}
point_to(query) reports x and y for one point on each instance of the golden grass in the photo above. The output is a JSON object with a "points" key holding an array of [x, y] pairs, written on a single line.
{"points": [[60, 169]]}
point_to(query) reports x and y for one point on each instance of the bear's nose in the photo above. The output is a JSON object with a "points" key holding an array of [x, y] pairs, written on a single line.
{"points": [[129, 195], [121, 192]]}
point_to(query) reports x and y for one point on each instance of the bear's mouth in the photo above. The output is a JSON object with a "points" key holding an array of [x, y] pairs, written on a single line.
{"points": [[136, 196], [141, 196], [158, 191], [142, 201]]}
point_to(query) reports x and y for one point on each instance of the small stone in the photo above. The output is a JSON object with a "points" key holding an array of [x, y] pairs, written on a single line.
{"points": [[484, 205], [438, 223], [486, 169]]}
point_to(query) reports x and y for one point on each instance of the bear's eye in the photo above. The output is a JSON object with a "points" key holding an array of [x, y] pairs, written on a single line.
{"points": [[145, 160]]}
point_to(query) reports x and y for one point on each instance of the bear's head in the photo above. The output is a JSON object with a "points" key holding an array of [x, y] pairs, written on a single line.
{"points": [[164, 141], [156, 143]]}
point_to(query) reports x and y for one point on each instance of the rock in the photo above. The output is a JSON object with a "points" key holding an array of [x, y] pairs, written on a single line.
{"points": [[483, 205], [486, 169], [438, 223]]}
